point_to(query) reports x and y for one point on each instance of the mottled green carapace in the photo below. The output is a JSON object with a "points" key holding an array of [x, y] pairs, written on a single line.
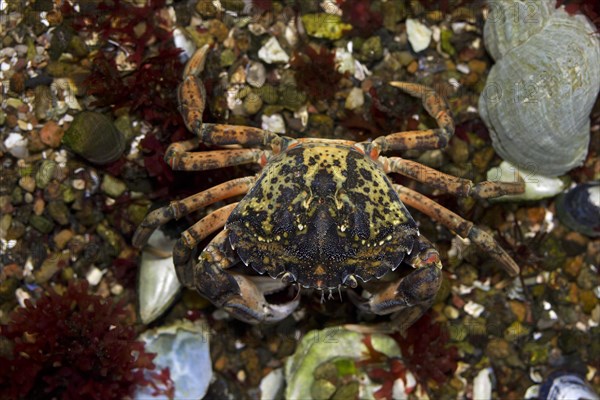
{"points": [[322, 213]]}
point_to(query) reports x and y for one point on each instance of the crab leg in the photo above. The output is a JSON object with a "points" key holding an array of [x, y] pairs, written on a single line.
{"points": [[423, 139], [411, 296], [448, 183], [206, 160], [191, 237], [456, 223], [192, 101], [179, 208]]}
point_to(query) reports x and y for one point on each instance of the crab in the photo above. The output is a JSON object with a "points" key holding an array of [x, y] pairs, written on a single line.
{"points": [[322, 214]]}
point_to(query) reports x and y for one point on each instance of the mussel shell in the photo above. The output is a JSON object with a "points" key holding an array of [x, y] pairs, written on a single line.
{"points": [[539, 94], [579, 208], [94, 137]]}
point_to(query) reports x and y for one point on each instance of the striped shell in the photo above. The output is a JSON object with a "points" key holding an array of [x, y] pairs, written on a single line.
{"points": [[94, 137], [539, 94]]}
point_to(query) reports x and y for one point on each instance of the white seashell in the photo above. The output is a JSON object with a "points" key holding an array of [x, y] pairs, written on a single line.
{"points": [[536, 186], [482, 384], [334, 343], [157, 284], [183, 347], [539, 94], [271, 386]]}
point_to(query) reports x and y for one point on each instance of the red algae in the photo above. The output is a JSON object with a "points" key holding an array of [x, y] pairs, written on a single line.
{"points": [[75, 345]]}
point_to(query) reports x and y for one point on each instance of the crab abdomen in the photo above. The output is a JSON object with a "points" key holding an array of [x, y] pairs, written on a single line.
{"points": [[322, 213]]}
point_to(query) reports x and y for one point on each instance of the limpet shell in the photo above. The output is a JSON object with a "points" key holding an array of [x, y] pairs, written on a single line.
{"points": [[539, 94], [94, 137]]}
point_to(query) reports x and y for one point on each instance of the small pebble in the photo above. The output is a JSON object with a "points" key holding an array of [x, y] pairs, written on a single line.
{"points": [[419, 35], [256, 74], [16, 145], [51, 134], [21, 296], [78, 184], [412, 67], [273, 123], [27, 183], [355, 99], [477, 66], [38, 206], [112, 186], [272, 52], [94, 275], [62, 238]]}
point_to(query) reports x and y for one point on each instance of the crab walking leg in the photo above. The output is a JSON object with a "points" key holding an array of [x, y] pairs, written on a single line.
{"points": [[234, 292], [213, 159], [182, 251], [456, 223], [192, 101], [179, 208], [429, 139], [448, 183]]}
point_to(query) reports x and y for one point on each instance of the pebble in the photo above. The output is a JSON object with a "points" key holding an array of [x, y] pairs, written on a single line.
{"points": [[412, 67], [273, 123], [256, 74], [21, 296], [78, 184], [40, 223], [5, 222], [271, 52], [16, 145], [519, 309], [94, 275], [38, 206], [419, 35], [51, 134], [59, 212], [498, 348], [477, 66], [451, 312], [112, 186], [355, 99], [47, 270], [27, 183], [573, 265], [62, 238]]}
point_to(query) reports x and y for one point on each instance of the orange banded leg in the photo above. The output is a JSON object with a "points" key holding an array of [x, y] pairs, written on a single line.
{"points": [[179, 208], [456, 223], [206, 160], [448, 183], [192, 101], [182, 252], [436, 106]]}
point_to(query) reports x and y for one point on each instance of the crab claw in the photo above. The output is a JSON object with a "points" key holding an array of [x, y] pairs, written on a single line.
{"points": [[251, 306]]}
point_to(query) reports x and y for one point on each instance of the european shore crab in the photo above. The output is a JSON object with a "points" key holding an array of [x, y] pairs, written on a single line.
{"points": [[322, 214]]}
